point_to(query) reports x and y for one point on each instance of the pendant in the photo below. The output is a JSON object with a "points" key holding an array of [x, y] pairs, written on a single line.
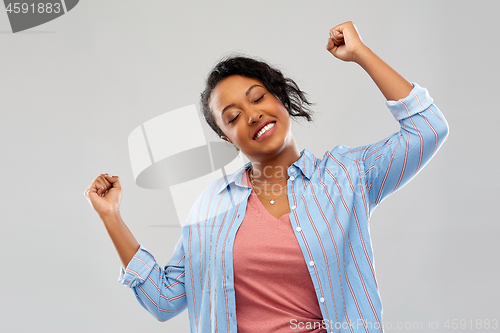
{"points": [[271, 202]]}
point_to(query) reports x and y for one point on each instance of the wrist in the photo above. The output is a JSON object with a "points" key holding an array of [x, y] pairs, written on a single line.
{"points": [[361, 55], [111, 216]]}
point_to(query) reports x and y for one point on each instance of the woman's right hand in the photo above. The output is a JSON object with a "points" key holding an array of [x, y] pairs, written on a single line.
{"points": [[104, 195]]}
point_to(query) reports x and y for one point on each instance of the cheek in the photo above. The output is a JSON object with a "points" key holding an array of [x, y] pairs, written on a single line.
{"points": [[279, 106], [233, 133], [288, 122], [237, 132], [285, 114]]}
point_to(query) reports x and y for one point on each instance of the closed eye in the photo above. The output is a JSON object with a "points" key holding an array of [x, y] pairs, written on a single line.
{"points": [[232, 120], [259, 99]]}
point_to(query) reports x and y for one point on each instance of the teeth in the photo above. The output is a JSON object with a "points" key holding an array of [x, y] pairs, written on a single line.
{"points": [[264, 130]]}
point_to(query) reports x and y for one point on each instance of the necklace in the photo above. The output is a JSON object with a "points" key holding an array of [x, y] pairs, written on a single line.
{"points": [[253, 180], [260, 181], [272, 190], [272, 201]]}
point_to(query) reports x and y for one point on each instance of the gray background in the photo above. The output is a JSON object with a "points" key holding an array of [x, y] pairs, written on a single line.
{"points": [[73, 89]]}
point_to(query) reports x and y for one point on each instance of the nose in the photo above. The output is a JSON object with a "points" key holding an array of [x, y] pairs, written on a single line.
{"points": [[254, 115]]}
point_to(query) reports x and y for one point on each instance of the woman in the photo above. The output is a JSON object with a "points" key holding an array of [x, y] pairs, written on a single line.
{"points": [[282, 244]]}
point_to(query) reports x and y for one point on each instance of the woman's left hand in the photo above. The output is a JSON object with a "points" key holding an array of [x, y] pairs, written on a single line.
{"points": [[344, 42]]}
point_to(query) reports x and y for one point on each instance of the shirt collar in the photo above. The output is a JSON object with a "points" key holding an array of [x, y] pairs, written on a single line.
{"points": [[236, 177], [305, 164]]}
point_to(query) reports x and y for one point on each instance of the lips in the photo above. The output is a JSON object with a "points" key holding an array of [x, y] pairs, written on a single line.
{"points": [[263, 128]]}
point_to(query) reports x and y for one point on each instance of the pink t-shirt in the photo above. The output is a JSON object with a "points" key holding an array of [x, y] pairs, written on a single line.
{"points": [[274, 291]]}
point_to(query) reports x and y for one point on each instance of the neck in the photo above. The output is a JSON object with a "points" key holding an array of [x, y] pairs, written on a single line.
{"points": [[273, 168]]}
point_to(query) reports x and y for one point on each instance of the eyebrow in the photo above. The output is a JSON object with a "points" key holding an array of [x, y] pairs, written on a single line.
{"points": [[246, 94]]}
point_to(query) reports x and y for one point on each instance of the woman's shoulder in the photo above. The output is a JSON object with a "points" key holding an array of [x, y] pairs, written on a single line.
{"points": [[218, 196], [339, 160], [344, 154], [221, 181]]}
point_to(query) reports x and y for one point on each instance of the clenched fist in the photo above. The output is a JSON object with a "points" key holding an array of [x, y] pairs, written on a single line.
{"points": [[344, 42], [104, 195]]}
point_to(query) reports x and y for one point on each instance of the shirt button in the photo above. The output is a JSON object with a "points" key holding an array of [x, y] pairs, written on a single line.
{"points": [[293, 207], [299, 229], [292, 178], [311, 263], [322, 300]]}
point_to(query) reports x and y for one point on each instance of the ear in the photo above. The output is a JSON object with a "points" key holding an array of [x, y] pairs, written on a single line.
{"points": [[225, 138]]}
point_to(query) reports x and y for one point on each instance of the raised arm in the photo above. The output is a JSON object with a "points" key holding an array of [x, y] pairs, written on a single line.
{"points": [[104, 195], [161, 291], [345, 44], [390, 163]]}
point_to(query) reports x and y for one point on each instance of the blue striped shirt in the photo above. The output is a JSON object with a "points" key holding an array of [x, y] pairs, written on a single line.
{"points": [[331, 200]]}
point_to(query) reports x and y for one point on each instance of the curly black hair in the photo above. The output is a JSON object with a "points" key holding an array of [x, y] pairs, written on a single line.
{"points": [[283, 88]]}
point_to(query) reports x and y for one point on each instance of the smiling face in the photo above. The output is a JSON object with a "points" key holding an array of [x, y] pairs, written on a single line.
{"points": [[251, 117]]}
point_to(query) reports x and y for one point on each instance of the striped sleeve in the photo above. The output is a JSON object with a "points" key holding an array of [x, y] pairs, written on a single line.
{"points": [[391, 163], [159, 290]]}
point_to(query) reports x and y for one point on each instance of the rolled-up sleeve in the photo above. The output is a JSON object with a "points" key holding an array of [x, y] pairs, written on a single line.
{"points": [[159, 290], [392, 162]]}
